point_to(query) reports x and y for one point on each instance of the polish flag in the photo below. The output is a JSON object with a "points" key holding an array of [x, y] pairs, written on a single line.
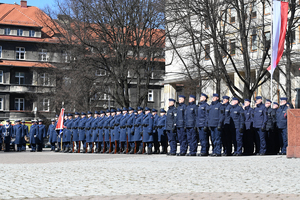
{"points": [[60, 121], [280, 16]]}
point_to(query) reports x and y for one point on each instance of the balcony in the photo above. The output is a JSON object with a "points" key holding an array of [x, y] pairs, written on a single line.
{"points": [[30, 89]]}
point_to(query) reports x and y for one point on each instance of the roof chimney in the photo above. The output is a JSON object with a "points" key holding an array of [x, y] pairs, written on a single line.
{"points": [[23, 4]]}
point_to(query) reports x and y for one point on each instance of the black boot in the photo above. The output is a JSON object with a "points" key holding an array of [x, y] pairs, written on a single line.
{"points": [[149, 151], [83, 150]]}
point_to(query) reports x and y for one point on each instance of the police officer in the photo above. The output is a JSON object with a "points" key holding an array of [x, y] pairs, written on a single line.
{"points": [[25, 134], [41, 135], [277, 137], [95, 131], [170, 127], [130, 129], [155, 134], [123, 131], [75, 131], [248, 136], [58, 136], [112, 131], [117, 130], [202, 126], [51, 133], [107, 147], [19, 134], [214, 122], [138, 131], [226, 133], [259, 124], [33, 134], [161, 127], [270, 140], [81, 126], [88, 131], [148, 130], [281, 120], [238, 119], [67, 136], [190, 117], [180, 126], [100, 141]]}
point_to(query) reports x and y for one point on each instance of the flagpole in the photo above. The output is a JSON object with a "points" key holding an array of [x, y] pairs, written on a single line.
{"points": [[271, 54]]}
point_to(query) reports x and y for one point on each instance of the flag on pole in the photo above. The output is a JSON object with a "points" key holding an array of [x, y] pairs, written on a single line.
{"points": [[280, 16], [60, 122]]}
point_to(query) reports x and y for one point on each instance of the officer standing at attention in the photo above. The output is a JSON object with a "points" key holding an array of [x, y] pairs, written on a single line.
{"points": [[51, 133], [117, 130], [180, 126], [41, 135], [281, 120], [68, 133], [190, 117], [214, 121], [155, 134], [112, 131], [202, 126], [270, 140], [81, 126], [75, 131], [100, 141], [259, 124], [107, 131], [25, 130], [238, 118], [123, 131], [95, 132], [138, 131], [248, 137], [130, 130], [148, 130], [33, 134], [88, 131], [226, 134], [171, 126], [161, 130], [19, 134]]}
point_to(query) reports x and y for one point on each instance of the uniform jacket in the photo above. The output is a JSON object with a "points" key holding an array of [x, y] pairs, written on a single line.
{"points": [[271, 113], [161, 124], [52, 133], [75, 129], [106, 126], [123, 127], [138, 127], [238, 117], [67, 130], [190, 116], [281, 117], [19, 134], [180, 115], [248, 117], [130, 126], [81, 126], [42, 133], [33, 133], [171, 118], [148, 128], [215, 115], [201, 114], [88, 129], [260, 116]]}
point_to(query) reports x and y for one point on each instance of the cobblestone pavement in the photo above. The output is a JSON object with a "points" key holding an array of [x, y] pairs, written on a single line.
{"points": [[50, 175]]}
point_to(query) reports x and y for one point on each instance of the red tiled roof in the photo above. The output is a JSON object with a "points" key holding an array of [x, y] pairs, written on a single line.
{"points": [[14, 14], [25, 64], [28, 39]]}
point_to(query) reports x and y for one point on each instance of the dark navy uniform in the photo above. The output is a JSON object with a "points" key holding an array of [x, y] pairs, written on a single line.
{"points": [[226, 132], [88, 132], [81, 126], [33, 134], [75, 132], [19, 135], [95, 132], [270, 127], [107, 132], [248, 136], [170, 128], [138, 132], [180, 127], [214, 122], [155, 134], [100, 141], [117, 130], [40, 137], [123, 131], [190, 117], [202, 127], [259, 124], [130, 130], [148, 130], [67, 135], [51, 133], [112, 131], [161, 127], [281, 120], [25, 130]]}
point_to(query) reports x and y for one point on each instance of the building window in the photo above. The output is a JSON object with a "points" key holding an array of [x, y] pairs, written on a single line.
{"points": [[150, 95], [7, 31], [31, 33], [20, 53], [46, 104], [1, 103], [43, 55], [207, 51], [19, 32], [19, 104], [20, 78], [253, 42], [232, 15], [268, 40], [44, 79], [1, 76], [232, 47], [0, 51], [100, 72]]}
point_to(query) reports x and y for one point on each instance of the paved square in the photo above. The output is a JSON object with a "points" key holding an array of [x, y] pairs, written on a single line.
{"points": [[101, 176]]}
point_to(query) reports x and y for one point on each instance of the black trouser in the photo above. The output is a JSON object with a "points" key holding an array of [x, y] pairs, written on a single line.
{"points": [[226, 137], [39, 146], [248, 141]]}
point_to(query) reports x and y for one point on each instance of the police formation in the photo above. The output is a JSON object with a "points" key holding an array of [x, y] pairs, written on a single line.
{"points": [[228, 128]]}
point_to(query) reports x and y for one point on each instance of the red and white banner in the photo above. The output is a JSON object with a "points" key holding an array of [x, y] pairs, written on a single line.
{"points": [[60, 122]]}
